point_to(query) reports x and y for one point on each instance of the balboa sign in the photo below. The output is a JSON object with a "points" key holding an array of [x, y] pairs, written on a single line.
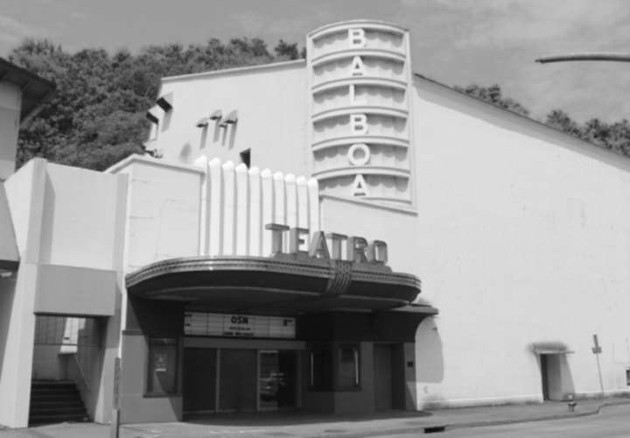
{"points": [[357, 249]]}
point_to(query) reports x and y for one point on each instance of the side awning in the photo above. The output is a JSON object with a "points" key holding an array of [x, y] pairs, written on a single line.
{"points": [[9, 255], [539, 348]]}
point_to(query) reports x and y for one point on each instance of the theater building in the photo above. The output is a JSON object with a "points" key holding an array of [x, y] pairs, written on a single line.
{"points": [[338, 235]]}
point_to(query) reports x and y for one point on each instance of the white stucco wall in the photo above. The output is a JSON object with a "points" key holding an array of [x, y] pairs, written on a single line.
{"points": [[523, 237], [163, 211], [83, 218], [272, 116]]}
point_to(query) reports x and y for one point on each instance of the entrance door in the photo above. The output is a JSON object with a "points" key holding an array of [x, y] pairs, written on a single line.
{"points": [[383, 376], [277, 379], [557, 382], [237, 387], [200, 369], [389, 376], [544, 370]]}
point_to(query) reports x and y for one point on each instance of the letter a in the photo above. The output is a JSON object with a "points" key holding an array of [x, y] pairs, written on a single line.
{"points": [[357, 68], [359, 186]]}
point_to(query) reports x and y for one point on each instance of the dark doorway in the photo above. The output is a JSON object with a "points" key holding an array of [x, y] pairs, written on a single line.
{"points": [[389, 379], [200, 369], [237, 391], [557, 380], [544, 371], [383, 376]]}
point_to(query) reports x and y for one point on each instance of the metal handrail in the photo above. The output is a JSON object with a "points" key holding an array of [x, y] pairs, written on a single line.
{"points": [[81, 371]]}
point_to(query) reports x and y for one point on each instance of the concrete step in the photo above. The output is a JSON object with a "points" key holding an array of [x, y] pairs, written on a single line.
{"points": [[54, 418], [55, 402]]}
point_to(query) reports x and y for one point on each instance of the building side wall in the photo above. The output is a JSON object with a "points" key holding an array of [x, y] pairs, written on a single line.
{"points": [[10, 104], [69, 228], [17, 332], [272, 114], [163, 220], [522, 238]]}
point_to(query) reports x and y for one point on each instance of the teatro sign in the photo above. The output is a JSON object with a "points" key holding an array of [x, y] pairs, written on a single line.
{"points": [[357, 249]]}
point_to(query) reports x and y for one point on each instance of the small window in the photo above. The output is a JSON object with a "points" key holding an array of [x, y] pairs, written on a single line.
{"points": [[162, 373], [246, 157], [348, 366]]}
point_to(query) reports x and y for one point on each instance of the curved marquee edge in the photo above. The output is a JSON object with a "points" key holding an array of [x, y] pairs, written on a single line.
{"points": [[309, 267]]}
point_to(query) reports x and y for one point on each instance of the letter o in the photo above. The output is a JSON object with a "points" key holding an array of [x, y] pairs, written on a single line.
{"points": [[358, 154]]}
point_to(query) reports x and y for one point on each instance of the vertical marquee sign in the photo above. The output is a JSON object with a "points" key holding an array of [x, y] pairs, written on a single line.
{"points": [[359, 87]]}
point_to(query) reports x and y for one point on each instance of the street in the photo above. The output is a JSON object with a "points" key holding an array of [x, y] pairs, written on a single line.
{"points": [[611, 422]]}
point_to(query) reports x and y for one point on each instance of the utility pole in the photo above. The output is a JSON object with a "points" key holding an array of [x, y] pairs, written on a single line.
{"points": [[597, 350]]}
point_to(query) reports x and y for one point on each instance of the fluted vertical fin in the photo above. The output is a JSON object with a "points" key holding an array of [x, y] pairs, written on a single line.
{"points": [[268, 201], [241, 218], [256, 225], [215, 206], [229, 209]]}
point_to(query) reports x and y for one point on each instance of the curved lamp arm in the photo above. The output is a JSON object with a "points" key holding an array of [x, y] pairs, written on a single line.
{"points": [[617, 57]]}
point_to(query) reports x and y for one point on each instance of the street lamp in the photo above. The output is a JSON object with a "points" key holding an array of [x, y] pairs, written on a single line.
{"points": [[615, 57]]}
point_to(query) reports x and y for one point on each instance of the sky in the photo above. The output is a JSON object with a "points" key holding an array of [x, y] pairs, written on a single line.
{"points": [[456, 42]]}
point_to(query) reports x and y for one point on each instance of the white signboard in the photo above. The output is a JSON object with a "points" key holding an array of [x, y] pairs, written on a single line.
{"points": [[241, 326]]}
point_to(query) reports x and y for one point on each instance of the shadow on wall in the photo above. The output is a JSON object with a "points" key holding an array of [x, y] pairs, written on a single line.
{"points": [[185, 155], [204, 137], [229, 135], [166, 120], [429, 362]]}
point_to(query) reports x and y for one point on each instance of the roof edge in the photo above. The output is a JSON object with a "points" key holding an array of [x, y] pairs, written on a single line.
{"points": [[521, 116], [235, 70]]}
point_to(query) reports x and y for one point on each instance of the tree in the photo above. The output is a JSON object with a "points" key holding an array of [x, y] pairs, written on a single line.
{"points": [[494, 95], [97, 117], [286, 50], [560, 120], [614, 136]]}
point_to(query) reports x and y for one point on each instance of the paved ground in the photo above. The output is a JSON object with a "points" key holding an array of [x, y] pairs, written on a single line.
{"points": [[612, 422], [302, 425]]}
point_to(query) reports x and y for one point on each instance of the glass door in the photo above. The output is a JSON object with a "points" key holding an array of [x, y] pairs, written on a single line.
{"points": [[200, 369], [277, 376], [237, 384]]}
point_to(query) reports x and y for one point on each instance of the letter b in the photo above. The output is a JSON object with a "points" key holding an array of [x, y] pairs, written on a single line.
{"points": [[357, 38], [358, 124]]}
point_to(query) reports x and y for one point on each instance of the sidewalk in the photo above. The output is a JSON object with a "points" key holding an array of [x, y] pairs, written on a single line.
{"points": [[303, 425]]}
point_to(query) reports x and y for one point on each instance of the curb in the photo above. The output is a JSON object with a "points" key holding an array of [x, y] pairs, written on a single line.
{"points": [[595, 411], [442, 427]]}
